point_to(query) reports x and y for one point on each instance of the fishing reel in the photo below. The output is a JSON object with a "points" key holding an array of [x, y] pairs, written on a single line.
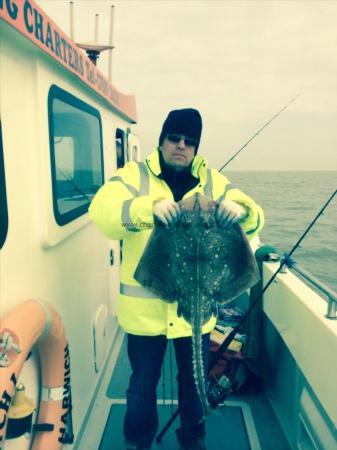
{"points": [[218, 390], [237, 379]]}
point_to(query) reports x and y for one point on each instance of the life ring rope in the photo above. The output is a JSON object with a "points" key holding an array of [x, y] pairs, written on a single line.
{"points": [[6, 344]]}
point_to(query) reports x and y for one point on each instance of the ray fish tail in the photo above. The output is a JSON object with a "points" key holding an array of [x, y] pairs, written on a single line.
{"points": [[197, 316]]}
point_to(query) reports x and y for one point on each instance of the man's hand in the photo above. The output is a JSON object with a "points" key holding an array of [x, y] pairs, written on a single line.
{"points": [[229, 212], [166, 211]]}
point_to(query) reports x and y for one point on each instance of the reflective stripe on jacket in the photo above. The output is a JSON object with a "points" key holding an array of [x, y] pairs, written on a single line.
{"points": [[122, 209]]}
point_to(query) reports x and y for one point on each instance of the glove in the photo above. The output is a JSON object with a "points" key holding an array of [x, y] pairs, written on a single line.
{"points": [[166, 211], [229, 212]]}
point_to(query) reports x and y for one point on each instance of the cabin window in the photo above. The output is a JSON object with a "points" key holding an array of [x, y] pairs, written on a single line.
{"points": [[120, 147], [3, 199], [76, 154]]}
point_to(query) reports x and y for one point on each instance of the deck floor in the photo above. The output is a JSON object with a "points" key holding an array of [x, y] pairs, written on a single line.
{"points": [[245, 422]]}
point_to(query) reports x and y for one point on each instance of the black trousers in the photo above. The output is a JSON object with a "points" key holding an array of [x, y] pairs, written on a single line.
{"points": [[146, 354]]}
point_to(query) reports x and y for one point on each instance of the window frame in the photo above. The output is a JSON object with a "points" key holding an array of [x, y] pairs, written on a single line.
{"points": [[3, 197], [56, 92], [120, 134]]}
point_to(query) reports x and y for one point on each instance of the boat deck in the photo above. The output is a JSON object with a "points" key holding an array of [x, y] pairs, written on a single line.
{"points": [[244, 422]]}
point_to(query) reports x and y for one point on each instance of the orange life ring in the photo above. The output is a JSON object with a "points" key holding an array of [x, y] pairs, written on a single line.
{"points": [[35, 322]]}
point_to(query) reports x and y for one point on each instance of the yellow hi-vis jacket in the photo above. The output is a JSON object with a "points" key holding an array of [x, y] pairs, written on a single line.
{"points": [[122, 209]]}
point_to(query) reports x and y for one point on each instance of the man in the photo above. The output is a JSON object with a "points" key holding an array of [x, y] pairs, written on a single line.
{"points": [[124, 208]]}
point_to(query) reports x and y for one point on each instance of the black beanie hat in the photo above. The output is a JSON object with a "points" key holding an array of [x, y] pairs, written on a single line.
{"points": [[183, 121]]}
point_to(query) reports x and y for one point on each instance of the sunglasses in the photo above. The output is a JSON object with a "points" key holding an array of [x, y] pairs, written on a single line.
{"points": [[175, 138]]}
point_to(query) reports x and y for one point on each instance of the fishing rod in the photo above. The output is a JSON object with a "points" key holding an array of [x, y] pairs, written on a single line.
{"points": [[259, 131], [223, 347]]}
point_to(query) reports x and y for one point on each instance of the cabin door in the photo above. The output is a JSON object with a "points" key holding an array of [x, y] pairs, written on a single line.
{"points": [[115, 247], [127, 149]]}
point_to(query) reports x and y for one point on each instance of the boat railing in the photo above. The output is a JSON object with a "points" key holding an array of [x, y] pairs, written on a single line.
{"points": [[331, 296]]}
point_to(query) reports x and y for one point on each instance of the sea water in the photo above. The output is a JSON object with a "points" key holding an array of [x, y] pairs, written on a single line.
{"points": [[290, 201]]}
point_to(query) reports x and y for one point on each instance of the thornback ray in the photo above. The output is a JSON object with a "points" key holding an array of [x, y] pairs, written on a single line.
{"points": [[198, 264]]}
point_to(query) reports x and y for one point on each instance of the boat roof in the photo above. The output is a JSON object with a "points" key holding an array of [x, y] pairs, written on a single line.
{"points": [[33, 23]]}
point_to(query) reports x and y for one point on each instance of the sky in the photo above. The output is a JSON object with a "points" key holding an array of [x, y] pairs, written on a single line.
{"points": [[237, 62]]}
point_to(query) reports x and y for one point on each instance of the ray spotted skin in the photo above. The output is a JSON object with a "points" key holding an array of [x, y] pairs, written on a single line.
{"points": [[201, 264]]}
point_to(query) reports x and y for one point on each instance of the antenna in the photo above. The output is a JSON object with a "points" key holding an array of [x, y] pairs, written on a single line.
{"points": [[93, 49], [71, 12], [112, 11], [96, 27]]}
